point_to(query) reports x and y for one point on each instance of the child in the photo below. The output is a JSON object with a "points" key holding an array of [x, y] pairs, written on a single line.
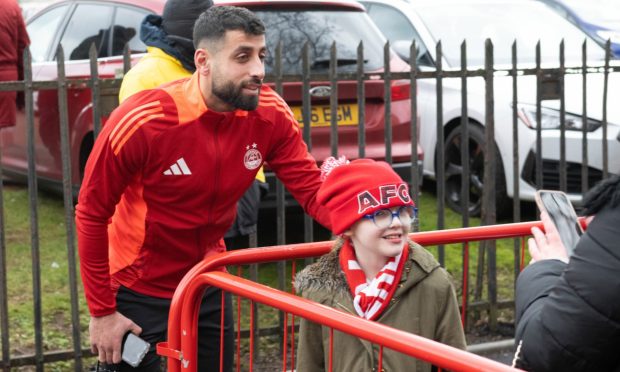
{"points": [[371, 211]]}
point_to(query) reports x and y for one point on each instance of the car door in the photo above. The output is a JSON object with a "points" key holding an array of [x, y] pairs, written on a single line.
{"points": [[88, 23]]}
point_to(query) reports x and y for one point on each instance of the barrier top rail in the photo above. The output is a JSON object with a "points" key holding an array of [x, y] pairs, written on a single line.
{"points": [[182, 322]]}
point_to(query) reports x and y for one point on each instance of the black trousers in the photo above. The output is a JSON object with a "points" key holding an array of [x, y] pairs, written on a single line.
{"points": [[151, 313]]}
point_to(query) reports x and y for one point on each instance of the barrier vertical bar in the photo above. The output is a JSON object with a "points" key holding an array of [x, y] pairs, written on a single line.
{"points": [[68, 204]]}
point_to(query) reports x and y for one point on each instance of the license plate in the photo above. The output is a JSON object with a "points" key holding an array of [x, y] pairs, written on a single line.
{"points": [[320, 116]]}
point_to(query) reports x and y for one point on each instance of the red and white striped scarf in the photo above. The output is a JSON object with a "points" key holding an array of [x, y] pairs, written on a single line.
{"points": [[371, 298]]}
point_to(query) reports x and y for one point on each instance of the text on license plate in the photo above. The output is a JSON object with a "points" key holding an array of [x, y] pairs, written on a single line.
{"points": [[320, 116]]}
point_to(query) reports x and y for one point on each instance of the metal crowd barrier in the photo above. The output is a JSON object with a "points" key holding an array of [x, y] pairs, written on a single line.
{"points": [[181, 346]]}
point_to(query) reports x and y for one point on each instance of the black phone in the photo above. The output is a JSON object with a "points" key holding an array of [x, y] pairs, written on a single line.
{"points": [[561, 211], [134, 349]]}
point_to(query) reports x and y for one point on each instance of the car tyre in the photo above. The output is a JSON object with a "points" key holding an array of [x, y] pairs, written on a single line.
{"points": [[454, 172]]}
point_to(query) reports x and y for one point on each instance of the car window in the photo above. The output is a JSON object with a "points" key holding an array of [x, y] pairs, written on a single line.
{"points": [[127, 30], [89, 24], [396, 27], [321, 29], [42, 31]]}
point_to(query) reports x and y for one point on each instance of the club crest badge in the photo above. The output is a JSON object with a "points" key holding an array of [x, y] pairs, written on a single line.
{"points": [[252, 158]]}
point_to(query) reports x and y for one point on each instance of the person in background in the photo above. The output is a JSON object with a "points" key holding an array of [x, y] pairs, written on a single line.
{"points": [[169, 57], [13, 40], [568, 308], [374, 271], [162, 182]]}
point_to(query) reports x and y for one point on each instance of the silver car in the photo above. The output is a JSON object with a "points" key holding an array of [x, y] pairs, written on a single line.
{"points": [[504, 22]]}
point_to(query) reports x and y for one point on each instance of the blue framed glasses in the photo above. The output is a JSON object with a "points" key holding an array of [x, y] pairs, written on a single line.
{"points": [[383, 218]]}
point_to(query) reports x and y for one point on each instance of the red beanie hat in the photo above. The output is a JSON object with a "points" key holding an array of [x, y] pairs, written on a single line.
{"points": [[351, 190]]}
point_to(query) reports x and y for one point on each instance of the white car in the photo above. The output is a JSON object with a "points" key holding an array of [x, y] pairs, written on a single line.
{"points": [[504, 22]]}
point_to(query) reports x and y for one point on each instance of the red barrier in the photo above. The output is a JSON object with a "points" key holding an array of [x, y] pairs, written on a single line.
{"points": [[182, 324]]}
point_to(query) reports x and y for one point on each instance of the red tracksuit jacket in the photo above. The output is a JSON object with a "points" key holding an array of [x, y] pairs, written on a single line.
{"points": [[162, 182]]}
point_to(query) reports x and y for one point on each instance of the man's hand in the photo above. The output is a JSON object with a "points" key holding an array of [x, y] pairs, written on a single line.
{"points": [[106, 336], [546, 246]]}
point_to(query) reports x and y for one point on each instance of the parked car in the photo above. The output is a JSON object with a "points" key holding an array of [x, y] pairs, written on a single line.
{"points": [[600, 19], [526, 22], [75, 24]]}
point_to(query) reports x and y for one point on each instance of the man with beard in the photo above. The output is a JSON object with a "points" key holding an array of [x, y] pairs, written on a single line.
{"points": [[169, 57], [161, 185]]}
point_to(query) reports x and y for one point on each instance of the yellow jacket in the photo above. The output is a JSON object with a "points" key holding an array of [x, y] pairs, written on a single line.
{"points": [[156, 68]]}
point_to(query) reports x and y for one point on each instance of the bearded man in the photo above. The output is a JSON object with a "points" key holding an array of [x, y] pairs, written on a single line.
{"points": [[163, 179]]}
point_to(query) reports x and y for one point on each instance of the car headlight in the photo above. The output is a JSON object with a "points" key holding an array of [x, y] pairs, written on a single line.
{"points": [[550, 119]]}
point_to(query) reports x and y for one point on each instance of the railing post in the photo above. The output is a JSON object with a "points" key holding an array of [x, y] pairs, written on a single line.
{"points": [[333, 99], [413, 93], [34, 220], [387, 98], [305, 112], [488, 201], [464, 180], [605, 89], [584, 120], [516, 199], [67, 183], [440, 162]]}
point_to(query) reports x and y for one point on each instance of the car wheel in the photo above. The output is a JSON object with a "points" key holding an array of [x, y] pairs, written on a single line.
{"points": [[454, 172]]}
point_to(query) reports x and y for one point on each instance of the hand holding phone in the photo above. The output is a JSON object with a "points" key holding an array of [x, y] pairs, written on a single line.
{"points": [[134, 349], [562, 214]]}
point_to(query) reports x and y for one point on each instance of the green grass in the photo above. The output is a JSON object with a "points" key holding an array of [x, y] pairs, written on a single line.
{"points": [[55, 301]]}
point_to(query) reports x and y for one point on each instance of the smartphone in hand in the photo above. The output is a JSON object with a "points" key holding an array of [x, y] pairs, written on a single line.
{"points": [[561, 211], [134, 349]]}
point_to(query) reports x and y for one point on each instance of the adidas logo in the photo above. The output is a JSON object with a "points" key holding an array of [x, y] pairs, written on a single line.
{"points": [[179, 168]]}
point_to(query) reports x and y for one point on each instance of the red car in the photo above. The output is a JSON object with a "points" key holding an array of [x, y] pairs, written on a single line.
{"points": [[76, 24]]}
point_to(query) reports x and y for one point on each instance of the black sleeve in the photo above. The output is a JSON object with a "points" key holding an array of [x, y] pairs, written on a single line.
{"points": [[568, 316]]}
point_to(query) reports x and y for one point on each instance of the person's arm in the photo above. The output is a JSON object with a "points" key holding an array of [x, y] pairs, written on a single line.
{"points": [[295, 167], [115, 160], [310, 356], [22, 43], [567, 315]]}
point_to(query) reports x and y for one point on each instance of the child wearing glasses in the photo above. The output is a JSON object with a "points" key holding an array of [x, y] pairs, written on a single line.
{"points": [[374, 271]]}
